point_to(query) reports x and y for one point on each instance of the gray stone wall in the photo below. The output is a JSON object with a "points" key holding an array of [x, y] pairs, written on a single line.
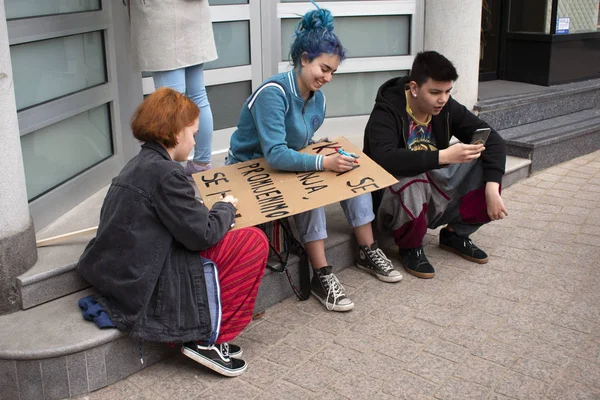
{"points": [[17, 235], [452, 28]]}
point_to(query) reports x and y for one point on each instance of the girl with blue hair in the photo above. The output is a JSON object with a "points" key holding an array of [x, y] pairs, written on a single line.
{"points": [[279, 119]]}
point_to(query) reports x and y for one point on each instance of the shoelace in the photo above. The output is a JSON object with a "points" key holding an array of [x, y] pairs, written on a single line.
{"points": [[335, 289], [382, 262], [467, 242], [225, 350]]}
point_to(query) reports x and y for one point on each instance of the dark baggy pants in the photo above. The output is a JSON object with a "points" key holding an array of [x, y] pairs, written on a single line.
{"points": [[453, 195]]}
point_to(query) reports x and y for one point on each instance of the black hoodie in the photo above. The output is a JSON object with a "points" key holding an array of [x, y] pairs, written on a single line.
{"points": [[386, 135]]}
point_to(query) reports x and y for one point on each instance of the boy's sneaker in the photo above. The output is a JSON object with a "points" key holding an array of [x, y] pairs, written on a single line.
{"points": [[415, 263], [192, 168], [215, 357], [326, 287], [374, 261], [463, 246]]}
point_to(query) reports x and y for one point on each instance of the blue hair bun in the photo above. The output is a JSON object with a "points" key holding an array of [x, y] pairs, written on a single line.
{"points": [[314, 36], [315, 20]]}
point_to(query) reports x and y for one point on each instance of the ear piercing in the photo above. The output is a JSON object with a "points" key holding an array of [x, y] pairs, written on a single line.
{"points": [[414, 94]]}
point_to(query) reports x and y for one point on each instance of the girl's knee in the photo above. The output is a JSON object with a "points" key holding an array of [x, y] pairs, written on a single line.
{"points": [[251, 234]]}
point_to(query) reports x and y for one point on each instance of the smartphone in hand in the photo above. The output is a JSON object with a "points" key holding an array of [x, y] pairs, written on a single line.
{"points": [[480, 136]]}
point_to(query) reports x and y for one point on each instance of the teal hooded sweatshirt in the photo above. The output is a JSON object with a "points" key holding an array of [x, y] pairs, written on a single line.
{"points": [[275, 122]]}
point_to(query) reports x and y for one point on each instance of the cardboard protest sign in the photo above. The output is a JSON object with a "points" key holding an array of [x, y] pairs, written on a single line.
{"points": [[265, 194]]}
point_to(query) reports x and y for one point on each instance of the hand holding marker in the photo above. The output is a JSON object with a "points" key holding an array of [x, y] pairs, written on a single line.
{"points": [[344, 153], [237, 215]]}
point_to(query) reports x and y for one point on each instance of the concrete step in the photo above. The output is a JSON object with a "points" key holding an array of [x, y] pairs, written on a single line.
{"points": [[556, 140], [51, 352], [518, 109], [54, 274], [516, 169]]}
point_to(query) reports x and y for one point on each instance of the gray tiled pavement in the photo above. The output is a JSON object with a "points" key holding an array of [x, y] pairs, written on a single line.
{"points": [[524, 326]]}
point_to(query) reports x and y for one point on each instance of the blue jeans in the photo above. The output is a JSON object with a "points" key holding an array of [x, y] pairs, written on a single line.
{"points": [[312, 225], [190, 81]]}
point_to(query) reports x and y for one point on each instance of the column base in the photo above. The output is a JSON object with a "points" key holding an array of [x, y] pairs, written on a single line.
{"points": [[18, 253]]}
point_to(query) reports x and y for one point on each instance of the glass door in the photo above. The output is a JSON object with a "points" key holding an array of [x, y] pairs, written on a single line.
{"points": [[490, 40]]}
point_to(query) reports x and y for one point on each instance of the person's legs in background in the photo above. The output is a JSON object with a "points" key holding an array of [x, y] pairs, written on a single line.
{"points": [[196, 91], [190, 81], [174, 79]]}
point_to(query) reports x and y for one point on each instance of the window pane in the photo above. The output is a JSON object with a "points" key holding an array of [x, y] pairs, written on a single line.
{"points": [[36, 8], [354, 94], [233, 44], [391, 33], [56, 153], [49, 69], [226, 102], [579, 15], [532, 16], [224, 2]]}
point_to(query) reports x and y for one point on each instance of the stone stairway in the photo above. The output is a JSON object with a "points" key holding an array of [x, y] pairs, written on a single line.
{"points": [[52, 353], [548, 126]]}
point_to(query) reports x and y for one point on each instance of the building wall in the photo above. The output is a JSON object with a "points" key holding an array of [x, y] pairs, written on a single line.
{"points": [[381, 39], [74, 79], [452, 27]]}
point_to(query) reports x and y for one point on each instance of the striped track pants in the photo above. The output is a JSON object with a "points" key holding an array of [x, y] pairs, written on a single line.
{"points": [[241, 258]]}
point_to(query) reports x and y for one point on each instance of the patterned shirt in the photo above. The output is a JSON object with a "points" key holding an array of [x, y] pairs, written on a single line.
{"points": [[420, 135]]}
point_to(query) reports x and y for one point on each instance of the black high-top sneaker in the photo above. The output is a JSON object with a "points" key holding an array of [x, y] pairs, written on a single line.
{"points": [[326, 287], [373, 261]]}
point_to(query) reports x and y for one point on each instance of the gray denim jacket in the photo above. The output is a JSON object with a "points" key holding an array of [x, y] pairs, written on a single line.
{"points": [[145, 259]]}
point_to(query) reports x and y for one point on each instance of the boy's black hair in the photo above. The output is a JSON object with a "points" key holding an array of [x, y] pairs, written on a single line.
{"points": [[431, 64]]}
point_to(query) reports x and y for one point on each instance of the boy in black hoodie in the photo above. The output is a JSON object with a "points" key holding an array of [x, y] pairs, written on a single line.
{"points": [[408, 134]]}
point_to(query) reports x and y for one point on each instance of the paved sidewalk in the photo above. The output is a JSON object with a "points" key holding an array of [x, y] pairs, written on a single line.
{"points": [[524, 326]]}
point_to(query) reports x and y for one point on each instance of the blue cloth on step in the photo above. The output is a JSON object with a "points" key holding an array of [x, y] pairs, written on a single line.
{"points": [[92, 311]]}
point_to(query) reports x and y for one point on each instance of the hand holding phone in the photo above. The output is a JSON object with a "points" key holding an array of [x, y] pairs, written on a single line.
{"points": [[480, 136]]}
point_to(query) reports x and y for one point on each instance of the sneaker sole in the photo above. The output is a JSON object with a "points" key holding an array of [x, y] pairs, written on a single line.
{"points": [[466, 257], [210, 364], [336, 307], [383, 278], [422, 275]]}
